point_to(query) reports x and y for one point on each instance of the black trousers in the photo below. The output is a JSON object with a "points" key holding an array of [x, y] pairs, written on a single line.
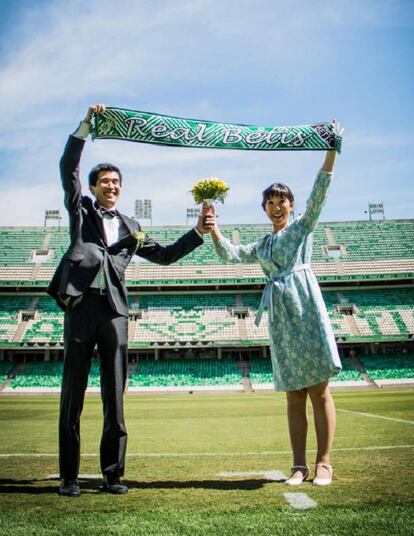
{"points": [[90, 321]]}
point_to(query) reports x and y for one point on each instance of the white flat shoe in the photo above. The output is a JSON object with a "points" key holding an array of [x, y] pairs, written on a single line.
{"points": [[296, 481], [323, 481]]}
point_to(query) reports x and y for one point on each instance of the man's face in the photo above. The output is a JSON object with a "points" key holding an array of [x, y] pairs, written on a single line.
{"points": [[107, 189]]}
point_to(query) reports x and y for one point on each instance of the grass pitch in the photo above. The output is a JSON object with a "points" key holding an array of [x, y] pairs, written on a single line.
{"points": [[177, 447]]}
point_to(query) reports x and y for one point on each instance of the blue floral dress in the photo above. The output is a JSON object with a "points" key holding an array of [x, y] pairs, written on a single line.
{"points": [[302, 343]]}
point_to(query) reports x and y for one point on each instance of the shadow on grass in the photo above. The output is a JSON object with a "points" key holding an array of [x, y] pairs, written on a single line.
{"points": [[92, 485], [250, 484], [9, 485]]}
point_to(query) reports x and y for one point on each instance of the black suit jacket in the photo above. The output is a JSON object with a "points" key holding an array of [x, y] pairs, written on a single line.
{"points": [[88, 249]]}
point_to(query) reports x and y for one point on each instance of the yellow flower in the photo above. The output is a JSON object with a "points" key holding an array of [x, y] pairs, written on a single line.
{"points": [[139, 237], [211, 188]]}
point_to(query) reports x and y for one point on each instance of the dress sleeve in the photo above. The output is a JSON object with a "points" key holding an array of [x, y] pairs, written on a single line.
{"points": [[316, 200], [230, 253]]}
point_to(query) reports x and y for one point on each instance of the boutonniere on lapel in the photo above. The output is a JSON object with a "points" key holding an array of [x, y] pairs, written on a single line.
{"points": [[139, 237]]}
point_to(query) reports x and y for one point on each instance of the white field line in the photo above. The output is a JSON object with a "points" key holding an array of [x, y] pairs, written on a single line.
{"points": [[373, 416], [81, 476], [200, 454], [269, 475], [300, 501]]}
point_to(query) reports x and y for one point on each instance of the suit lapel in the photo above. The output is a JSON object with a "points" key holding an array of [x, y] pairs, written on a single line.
{"points": [[97, 218], [130, 224]]}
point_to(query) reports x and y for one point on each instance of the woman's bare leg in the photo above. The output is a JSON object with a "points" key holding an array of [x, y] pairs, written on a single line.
{"points": [[298, 426], [325, 423]]}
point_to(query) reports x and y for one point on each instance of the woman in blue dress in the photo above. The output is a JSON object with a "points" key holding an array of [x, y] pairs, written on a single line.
{"points": [[302, 345]]}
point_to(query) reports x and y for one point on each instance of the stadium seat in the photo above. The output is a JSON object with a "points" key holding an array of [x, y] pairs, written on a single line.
{"points": [[191, 373], [389, 367], [39, 375]]}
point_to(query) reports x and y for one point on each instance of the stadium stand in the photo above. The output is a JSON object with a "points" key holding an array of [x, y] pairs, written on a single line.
{"points": [[5, 368], [94, 380], [191, 374], [365, 269], [46, 375], [209, 374], [369, 314], [375, 313], [389, 243], [348, 374], [262, 377], [385, 240], [261, 374], [393, 368]]}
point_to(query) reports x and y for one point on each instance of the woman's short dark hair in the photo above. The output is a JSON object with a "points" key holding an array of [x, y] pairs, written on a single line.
{"points": [[279, 189], [94, 172]]}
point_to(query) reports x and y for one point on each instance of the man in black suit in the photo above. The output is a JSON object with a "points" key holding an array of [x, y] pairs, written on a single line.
{"points": [[89, 286]]}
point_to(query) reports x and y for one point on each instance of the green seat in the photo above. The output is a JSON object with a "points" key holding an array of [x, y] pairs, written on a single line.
{"points": [[39, 374], [185, 373], [390, 367]]}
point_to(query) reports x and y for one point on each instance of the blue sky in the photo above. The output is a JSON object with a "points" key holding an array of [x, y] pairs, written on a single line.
{"points": [[265, 63]]}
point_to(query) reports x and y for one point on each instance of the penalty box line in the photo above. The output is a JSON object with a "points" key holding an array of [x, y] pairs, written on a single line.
{"points": [[364, 414], [201, 454], [374, 416]]}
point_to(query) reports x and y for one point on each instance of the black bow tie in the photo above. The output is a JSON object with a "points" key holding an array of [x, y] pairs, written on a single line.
{"points": [[105, 213]]}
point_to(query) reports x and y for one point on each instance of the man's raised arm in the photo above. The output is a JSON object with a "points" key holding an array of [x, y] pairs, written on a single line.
{"points": [[69, 162]]}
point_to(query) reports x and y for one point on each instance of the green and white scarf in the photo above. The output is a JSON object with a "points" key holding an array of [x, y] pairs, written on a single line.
{"points": [[116, 123]]}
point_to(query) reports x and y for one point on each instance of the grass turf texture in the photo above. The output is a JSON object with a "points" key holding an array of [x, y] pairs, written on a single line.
{"points": [[177, 446]]}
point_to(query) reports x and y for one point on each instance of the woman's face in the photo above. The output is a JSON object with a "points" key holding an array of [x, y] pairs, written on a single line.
{"points": [[277, 209]]}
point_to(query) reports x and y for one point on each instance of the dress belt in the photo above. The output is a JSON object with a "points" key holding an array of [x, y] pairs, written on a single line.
{"points": [[279, 282]]}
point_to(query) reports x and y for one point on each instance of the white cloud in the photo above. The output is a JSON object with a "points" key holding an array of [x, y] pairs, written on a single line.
{"points": [[74, 50], [224, 61]]}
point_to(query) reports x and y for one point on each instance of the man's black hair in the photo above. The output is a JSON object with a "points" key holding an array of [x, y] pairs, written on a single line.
{"points": [[94, 172]]}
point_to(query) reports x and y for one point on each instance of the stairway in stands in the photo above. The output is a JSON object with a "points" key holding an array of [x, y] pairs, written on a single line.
{"points": [[244, 368]]}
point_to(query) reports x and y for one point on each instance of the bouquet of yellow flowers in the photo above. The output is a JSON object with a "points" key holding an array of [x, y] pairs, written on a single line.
{"points": [[209, 190]]}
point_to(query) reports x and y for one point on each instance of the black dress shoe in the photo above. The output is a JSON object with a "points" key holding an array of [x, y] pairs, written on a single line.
{"points": [[113, 484], [69, 488]]}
